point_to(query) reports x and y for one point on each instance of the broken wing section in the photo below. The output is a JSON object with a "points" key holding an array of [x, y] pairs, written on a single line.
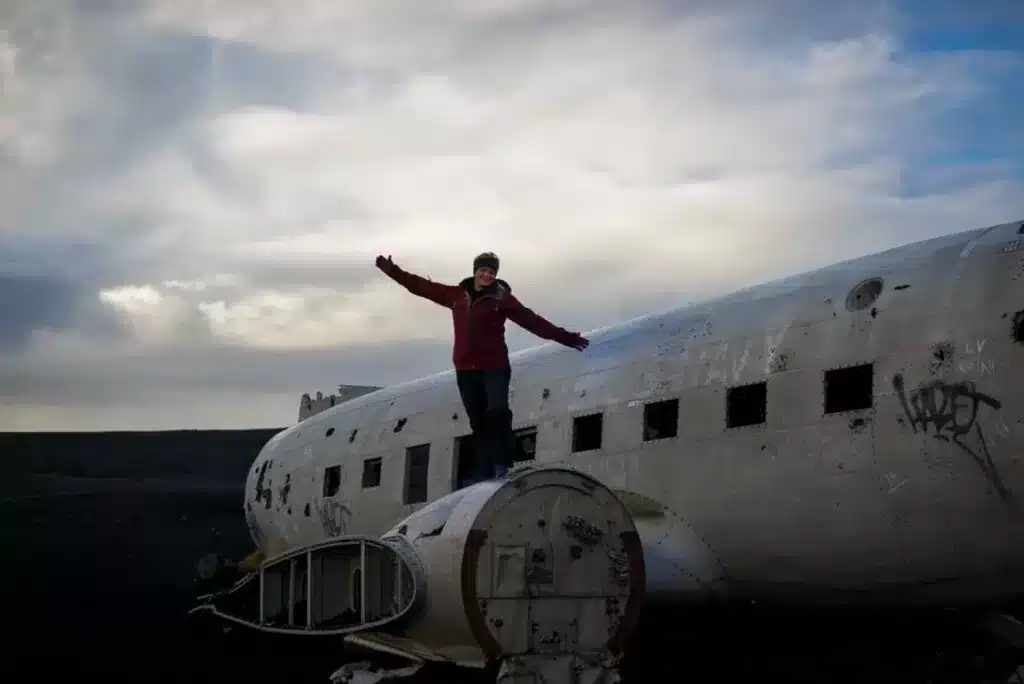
{"points": [[336, 587], [542, 566]]}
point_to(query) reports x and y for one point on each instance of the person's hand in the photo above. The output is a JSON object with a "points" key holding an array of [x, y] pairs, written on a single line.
{"points": [[577, 341], [385, 264]]}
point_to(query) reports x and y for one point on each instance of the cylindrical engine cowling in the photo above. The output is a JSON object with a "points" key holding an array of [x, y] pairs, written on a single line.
{"points": [[545, 560]]}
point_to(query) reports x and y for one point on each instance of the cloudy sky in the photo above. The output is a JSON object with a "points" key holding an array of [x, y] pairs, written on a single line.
{"points": [[192, 192]]}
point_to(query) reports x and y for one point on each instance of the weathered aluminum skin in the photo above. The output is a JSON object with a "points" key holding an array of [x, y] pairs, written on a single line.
{"points": [[915, 497]]}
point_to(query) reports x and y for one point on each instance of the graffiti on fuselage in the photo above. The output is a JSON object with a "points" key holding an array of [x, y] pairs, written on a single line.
{"points": [[334, 516], [949, 411]]}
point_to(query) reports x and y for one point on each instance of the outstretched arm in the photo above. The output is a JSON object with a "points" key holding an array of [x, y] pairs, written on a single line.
{"points": [[439, 293], [540, 326]]}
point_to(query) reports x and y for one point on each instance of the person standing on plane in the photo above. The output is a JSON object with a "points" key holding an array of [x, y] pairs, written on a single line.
{"points": [[480, 305]]}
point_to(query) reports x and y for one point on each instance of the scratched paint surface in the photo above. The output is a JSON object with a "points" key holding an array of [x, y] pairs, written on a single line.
{"points": [[949, 412], [915, 487]]}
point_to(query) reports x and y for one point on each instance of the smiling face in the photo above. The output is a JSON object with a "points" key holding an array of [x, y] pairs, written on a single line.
{"points": [[483, 277]]}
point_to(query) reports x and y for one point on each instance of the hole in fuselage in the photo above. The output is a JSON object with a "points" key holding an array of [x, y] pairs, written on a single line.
{"points": [[864, 295], [849, 389], [746, 405], [371, 472], [1018, 327], [465, 460], [332, 481], [587, 432], [661, 420], [417, 465]]}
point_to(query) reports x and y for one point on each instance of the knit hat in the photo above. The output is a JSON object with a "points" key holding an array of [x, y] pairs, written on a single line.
{"points": [[486, 260]]}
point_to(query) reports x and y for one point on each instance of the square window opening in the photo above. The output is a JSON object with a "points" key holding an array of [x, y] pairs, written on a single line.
{"points": [[746, 405], [371, 472], [417, 465], [465, 459], [525, 444], [332, 480], [586, 432], [849, 389], [661, 420]]}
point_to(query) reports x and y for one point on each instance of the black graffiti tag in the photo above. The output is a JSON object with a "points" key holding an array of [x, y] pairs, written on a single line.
{"points": [[334, 517], [262, 492], [951, 409]]}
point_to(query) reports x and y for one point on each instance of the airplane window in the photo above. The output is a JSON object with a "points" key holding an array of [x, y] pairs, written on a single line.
{"points": [[661, 420], [417, 464], [849, 389], [465, 455], [586, 432], [746, 405], [526, 444], [332, 480], [330, 431], [371, 472]]}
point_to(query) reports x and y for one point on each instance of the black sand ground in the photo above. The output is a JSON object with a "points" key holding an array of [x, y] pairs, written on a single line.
{"points": [[100, 535]]}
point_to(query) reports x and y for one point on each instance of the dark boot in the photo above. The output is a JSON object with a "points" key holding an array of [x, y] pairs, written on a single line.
{"points": [[502, 445], [482, 468]]}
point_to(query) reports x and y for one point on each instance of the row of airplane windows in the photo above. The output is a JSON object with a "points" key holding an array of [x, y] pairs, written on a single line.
{"points": [[846, 389]]}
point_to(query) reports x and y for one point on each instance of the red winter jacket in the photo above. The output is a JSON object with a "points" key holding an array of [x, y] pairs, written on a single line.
{"points": [[480, 326]]}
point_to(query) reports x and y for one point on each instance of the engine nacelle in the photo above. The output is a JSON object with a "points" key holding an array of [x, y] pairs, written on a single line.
{"points": [[678, 566], [544, 561]]}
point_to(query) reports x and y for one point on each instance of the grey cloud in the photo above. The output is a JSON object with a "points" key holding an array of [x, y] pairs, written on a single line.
{"points": [[152, 92], [153, 84], [341, 275], [57, 247], [219, 369], [347, 279], [27, 303], [167, 79], [139, 89], [31, 303], [50, 283]]}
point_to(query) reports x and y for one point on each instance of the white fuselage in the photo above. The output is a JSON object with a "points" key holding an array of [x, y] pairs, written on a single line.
{"points": [[814, 497]]}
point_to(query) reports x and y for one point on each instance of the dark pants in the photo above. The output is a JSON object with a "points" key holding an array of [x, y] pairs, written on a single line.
{"points": [[485, 398]]}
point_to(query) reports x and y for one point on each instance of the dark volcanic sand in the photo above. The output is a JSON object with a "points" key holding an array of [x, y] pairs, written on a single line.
{"points": [[101, 534]]}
